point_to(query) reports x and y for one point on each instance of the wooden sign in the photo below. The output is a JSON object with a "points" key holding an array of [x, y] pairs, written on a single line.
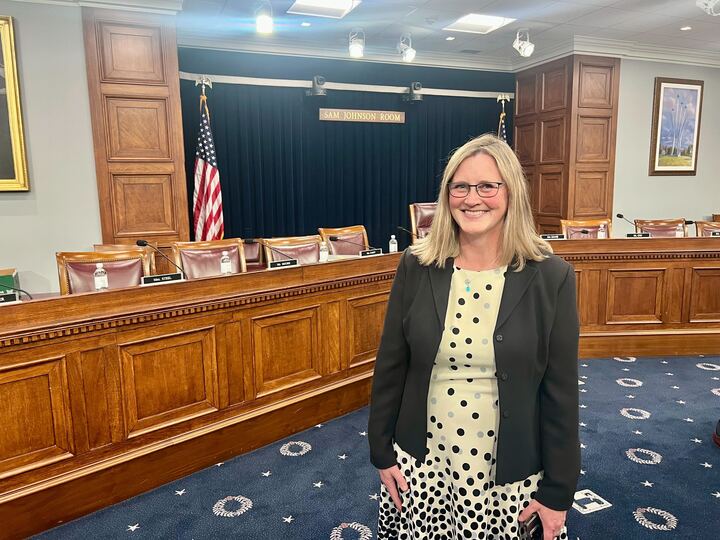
{"points": [[359, 115]]}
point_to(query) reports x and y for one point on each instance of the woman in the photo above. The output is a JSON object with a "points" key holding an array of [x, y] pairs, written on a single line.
{"points": [[474, 410]]}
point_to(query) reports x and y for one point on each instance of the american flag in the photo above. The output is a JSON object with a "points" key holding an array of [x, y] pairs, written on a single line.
{"points": [[501, 127], [207, 197]]}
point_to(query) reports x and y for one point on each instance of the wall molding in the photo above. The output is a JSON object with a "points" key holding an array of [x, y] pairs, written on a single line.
{"points": [[163, 7]]}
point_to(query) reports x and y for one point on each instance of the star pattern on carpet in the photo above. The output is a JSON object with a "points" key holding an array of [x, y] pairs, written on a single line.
{"points": [[582, 472], [180, 493], [374, 496], [583, 406], [362, 433], [220, 464], [318, 484], [706, 465], [688, 420], [583, 424], [679, 402], [696, 440], [630, 396], [343, 456], [675, 387], [637, 432], [133, 528], [288, 519], [716, 494], [266, 473], [647, 484], [317, 426]]}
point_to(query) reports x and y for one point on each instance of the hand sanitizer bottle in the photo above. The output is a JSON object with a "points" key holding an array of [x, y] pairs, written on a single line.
{"points": [[225, 265], [324, 254], [100, 277], [392, 245], [602, 233]]}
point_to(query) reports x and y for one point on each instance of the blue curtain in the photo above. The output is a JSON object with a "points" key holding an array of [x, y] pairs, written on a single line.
{"points": [[284, 172]]}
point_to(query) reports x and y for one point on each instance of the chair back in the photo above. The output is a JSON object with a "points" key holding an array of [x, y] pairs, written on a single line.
{"points": [[202, 259], [704, 228], [661, 228], [254, 256], [306, 249], [421, 217], [125, 268], [124, 247], [575, 229], [716, 217], [351, 240]]}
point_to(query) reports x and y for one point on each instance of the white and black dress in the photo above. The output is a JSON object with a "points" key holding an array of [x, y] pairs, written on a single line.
{"points": [[452, 493]]}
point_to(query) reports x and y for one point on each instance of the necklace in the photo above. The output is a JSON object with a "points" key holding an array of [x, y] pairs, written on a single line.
{"points": [[466, 279]]}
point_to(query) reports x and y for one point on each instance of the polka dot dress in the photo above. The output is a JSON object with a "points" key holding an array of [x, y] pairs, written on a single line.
{"points": [[452, 493]]}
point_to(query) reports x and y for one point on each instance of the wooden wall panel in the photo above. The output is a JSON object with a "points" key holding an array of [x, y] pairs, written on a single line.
{"points": [[525, 98], [526, 142], [137, 127], [554, 88], [590, 194], [705, 295], [595, 84], [550, 191], [593, 139], [552, 140], [635, 296], [365, 319]]}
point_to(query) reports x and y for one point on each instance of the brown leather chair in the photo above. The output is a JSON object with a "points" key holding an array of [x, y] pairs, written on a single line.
{"points": [[573, 228], [704, 228], [254, 256], [202, 259], [124, 268], [661, 228], [421, 216], [123, 247], [306, 249], [716, 217], [351, 240]]}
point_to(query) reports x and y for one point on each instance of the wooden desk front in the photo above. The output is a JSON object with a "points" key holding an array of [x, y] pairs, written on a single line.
{"points": [[136, 387]]}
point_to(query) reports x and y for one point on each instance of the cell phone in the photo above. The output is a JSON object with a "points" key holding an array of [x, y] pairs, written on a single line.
{"points": [[531, 529]]}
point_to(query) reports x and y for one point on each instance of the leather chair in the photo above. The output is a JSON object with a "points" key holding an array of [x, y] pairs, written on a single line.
{"points": [[716, 217], [421, 216], [123, 247], [254, 256], [125, 268], [306, 249], [661, 228], [202, 259], [573, 228], [704, 228], [351, 240]]}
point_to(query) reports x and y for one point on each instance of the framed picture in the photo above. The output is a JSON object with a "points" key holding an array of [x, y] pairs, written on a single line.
{"points": [[13, 163], [677, 105]]}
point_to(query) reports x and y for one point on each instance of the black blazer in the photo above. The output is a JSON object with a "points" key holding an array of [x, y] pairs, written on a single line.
{"points": [[536, 353]]}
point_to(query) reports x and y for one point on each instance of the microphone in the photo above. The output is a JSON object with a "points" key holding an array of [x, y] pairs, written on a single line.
{"points": [[626, 219], [144, 243], [274, 250], [338, 239], [407, 231], [16, 289]]}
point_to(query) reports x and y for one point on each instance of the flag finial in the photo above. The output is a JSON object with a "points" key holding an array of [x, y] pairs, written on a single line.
{"points": [[203, 81]]}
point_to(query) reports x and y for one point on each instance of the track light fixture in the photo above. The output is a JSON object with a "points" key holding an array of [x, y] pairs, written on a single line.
{"points": [[264, 19], [522, 43], [413, 94], [356, 43], [404, 47], [318, 87]]}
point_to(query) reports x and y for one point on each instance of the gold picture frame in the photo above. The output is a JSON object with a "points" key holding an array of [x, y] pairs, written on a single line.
{"points": [[13, 161]]}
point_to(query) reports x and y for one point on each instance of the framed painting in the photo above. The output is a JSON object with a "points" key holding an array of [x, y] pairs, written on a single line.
{"points": [[677, 107], [13, 162]]}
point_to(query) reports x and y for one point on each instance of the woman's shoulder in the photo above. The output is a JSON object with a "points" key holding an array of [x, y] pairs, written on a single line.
{"points": [[553, 266]]}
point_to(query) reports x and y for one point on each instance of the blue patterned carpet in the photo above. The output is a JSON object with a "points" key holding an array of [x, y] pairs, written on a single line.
{"points": [[647, 451]]}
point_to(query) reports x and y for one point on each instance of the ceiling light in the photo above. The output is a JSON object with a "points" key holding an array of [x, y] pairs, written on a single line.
{"points": [[304, 23], [686, 28], [479, 24], [711, 7], [333, 9], [404, 47], [356, 43], [450, 38], [264, 19], [522, 43]]}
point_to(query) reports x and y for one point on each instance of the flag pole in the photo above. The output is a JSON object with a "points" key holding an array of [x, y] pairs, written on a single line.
{"points": [[502, 98], [204, 81]]}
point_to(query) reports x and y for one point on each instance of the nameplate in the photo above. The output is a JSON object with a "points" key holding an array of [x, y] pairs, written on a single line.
{"points": [[159, 279], [714, 233], [638, 235], [552, 236], [370, 252], [8, 297], [357, 115], [283, 264]]}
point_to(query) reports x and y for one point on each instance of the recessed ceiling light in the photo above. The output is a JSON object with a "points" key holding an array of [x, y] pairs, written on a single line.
{"points": [[333, 9], [686, 28], [304, 23], [478, 24], [449, 38]]}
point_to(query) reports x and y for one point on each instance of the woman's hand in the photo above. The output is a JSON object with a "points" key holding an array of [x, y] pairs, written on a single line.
{"points": [[393, 479], [552, 520]]}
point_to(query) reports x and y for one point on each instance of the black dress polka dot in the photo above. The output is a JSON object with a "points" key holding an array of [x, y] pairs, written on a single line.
{"points": [[452, 493]]}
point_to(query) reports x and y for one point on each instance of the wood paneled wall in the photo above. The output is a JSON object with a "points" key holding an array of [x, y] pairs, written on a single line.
{"points": [[565, 131], [137, 127]]}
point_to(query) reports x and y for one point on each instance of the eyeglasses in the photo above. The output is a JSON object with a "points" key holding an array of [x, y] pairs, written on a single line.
{"points": [[483, 189]]}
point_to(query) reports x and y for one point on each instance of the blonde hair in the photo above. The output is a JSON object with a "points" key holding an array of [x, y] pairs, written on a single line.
{"points": [[520, 241]]}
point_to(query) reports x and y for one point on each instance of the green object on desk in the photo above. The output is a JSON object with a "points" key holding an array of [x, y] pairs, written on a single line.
{"points": [[8, 278]]}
